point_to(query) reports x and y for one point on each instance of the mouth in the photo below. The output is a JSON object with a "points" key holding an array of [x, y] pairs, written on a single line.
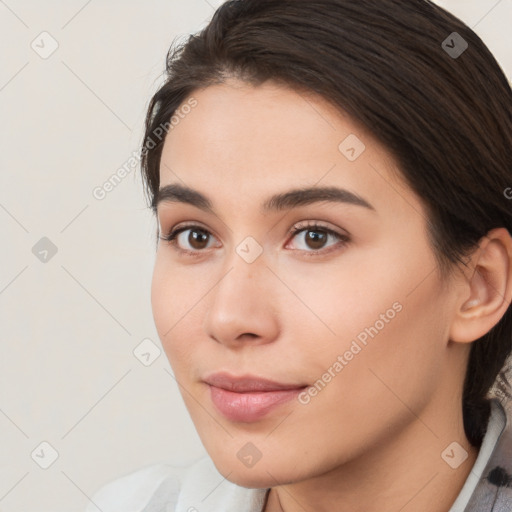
{"points": [[249, 398]]}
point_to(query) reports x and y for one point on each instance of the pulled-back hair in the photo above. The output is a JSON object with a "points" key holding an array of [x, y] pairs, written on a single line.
{"points": [[446, 118]]}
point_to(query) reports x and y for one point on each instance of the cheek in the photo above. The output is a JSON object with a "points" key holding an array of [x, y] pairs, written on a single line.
{"points": [[176, 295], [169, 298], [162, 297], [386, 312], [350, 294], [174, 290]]}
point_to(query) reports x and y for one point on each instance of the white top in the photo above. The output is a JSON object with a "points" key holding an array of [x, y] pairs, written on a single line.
{"points": [[201, 488]]}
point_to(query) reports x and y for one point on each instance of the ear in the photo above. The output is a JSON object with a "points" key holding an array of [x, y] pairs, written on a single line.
{"points": [[487, 288]]}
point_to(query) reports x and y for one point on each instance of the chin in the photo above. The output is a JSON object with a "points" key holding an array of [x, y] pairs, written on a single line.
{"points": [[251, 478], [262, 475]]}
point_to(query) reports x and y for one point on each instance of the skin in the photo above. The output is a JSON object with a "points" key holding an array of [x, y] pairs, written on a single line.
{"points": [[372, 439]]}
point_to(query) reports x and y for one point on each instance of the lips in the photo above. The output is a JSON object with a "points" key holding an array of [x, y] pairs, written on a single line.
{"points": [[247, 384], [248, 398]]}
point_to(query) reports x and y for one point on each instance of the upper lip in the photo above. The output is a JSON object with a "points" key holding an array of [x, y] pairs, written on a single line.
{"points": [[246, 383]]}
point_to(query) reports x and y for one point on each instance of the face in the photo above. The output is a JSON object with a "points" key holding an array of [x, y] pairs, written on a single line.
{"points": [[298, 325]]}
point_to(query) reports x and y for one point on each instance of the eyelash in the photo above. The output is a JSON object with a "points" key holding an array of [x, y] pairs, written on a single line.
{"points": [[308, 226]]}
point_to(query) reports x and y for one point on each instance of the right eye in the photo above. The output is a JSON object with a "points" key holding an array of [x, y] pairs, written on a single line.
{"points": [[189, 239]]}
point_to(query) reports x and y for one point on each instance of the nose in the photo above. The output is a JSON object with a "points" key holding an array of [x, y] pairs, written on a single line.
{"points": [[243, 306]]}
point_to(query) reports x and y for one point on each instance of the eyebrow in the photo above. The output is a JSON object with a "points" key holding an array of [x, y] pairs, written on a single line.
{"points": [[176, 193]]}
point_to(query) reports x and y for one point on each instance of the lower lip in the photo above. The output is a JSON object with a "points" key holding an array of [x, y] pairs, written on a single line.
{"points": [[249, 407]]}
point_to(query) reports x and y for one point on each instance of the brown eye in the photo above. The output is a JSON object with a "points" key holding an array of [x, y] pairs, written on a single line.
{"points": [[197, 238], [315, 239], [189, 238]]}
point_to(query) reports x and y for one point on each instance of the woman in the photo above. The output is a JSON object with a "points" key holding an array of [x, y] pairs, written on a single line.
{"points": [[334, 263]]}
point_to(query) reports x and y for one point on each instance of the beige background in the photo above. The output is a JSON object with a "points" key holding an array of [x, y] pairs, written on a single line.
{"points": [[69, 326]]}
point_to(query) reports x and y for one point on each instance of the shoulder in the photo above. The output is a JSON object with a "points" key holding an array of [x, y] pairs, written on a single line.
{"points": [[168, 488], [499, 469], [494, 489], [135, 491]]}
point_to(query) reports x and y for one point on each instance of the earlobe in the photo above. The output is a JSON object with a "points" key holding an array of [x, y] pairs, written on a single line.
{"points": [[489, 283]]}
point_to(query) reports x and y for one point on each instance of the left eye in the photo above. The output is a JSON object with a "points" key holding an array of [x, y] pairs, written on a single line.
{"points": [[316, 238]]}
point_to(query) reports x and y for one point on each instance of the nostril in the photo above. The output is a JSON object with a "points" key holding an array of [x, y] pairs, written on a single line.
{"points": [[250, 334]]}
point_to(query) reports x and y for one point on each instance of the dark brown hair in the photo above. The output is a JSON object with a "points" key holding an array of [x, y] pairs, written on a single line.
{"points": [[446, 118]]}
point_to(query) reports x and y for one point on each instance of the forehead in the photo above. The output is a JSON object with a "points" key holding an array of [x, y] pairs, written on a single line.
{"points": [[237, 115], [250, 141]]}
